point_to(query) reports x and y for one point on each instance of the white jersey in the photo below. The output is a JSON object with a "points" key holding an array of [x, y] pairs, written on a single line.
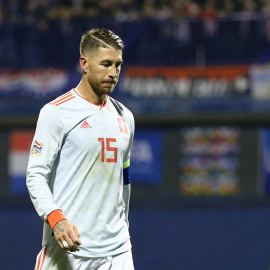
{"points": [[76, 164]]}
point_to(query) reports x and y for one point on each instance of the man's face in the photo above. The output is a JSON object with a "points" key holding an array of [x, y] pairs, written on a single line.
{"points": [[103, 69]]}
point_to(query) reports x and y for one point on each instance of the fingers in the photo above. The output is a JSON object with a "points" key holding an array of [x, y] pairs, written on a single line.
{"points": [[76, 231], [73, 242], [66, 235], [77, 234], [68, 245], [71, 246], [64, 244]]}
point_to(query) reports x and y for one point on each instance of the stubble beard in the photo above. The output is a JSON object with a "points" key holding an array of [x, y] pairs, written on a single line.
{"points": [[100, 91]]}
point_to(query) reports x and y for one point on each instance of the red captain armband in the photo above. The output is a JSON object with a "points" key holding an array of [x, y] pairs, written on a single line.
{"points": [[54, 217]]}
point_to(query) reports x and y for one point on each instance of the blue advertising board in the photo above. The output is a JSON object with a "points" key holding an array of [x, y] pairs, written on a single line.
{"points": [[146, 157], [266, 160]]}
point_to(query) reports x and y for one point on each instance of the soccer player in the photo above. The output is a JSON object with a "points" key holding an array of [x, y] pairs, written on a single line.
{"points": [[78, 171]]}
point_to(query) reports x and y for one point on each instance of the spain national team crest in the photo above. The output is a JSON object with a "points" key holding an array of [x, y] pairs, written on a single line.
{"points": [[36, 149], [122, 125]]}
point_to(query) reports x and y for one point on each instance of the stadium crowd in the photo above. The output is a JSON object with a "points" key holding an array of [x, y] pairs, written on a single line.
{"points": [[38, 33], [32, 11]]}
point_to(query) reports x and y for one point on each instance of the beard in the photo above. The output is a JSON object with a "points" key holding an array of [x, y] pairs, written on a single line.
{"points": [[103, 88]]}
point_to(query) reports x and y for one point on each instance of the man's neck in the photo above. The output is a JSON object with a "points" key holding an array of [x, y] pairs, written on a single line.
{"points": [[89, 95]]}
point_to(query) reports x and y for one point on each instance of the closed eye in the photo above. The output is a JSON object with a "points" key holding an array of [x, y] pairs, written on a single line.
{"points": [[105, 64], [109, 63]]}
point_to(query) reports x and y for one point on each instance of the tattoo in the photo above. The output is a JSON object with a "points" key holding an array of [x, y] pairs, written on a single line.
{"points": [[60, 227]]}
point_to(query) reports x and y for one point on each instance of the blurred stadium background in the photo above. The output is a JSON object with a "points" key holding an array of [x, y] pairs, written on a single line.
{"points": [[196, 75]]}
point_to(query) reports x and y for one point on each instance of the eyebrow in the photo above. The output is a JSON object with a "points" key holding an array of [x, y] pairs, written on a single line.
{"points": [[110, 61]]}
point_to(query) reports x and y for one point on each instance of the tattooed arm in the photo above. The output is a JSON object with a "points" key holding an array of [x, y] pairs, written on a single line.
{"points": [[66, 231]]}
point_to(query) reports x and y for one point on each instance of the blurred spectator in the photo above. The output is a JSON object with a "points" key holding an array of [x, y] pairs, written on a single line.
{"points": [[127, 10], [250, 7], [225, 8], [32, 11], [178, 9], [266, 7], [89, 8], [34, 28], [106, 8], [156, 9], [192, 9], [209, 10]]}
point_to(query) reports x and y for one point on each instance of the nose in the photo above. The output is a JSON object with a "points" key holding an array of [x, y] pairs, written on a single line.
{"points": [[113, 72]]}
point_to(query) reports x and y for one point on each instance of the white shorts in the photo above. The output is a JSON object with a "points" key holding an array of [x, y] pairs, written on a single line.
{"points": [[55, 258]]}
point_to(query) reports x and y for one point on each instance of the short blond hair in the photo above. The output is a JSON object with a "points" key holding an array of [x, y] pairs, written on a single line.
{"points": [[100, 37]]}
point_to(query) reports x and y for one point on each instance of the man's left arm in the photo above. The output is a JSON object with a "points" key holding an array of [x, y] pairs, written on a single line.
{"points": [[126, 170], [126, 187]]}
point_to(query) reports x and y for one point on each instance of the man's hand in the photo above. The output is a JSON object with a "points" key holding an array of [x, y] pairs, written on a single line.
{"points": [[67, 235]]}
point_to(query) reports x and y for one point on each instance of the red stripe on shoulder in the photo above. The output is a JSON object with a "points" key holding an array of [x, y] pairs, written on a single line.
{"points": [[62, 96], [62, 99]]}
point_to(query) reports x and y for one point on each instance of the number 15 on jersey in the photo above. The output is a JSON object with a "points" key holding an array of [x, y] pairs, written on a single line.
{"points": [[105, 147]]}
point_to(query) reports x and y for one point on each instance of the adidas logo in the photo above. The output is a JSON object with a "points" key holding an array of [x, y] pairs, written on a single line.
{"points": [[85, 125]]}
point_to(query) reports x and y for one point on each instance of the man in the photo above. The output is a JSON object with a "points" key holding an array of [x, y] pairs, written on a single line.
{"points": [[78, 171]]}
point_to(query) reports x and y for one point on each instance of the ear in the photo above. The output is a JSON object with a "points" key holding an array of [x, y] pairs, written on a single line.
{"points": [[83, 63]]}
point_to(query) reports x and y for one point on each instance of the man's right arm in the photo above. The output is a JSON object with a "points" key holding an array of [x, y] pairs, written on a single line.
{"points": [[44, 150]]}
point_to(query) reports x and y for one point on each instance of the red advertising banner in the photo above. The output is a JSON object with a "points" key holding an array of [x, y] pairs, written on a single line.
{"points": [[211, 72], [198, 82]]}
